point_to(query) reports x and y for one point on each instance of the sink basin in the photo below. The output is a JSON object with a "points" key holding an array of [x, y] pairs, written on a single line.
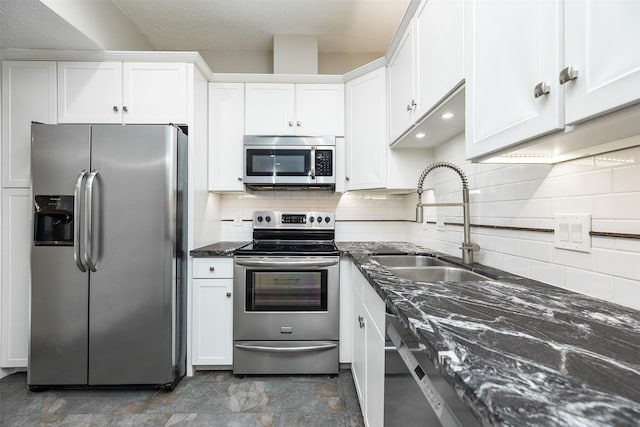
{"points": [[435, 274], [407, 261]]}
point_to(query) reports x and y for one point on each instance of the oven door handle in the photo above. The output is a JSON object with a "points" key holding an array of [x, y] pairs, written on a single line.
{"points": [[300, 349], [278, 263]]}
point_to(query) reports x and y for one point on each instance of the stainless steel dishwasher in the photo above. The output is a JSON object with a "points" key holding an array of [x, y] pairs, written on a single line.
{"points": [[415, 394]]}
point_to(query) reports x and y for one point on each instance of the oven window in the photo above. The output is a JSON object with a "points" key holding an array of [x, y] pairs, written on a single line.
{"points": [[286, 290], [278, 162]]}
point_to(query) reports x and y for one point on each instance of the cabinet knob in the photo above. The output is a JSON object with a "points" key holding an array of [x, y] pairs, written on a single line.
{"points": [[291, 124], [346, 178], [541, 88], [239, 178], [299, 123], [228, 294], [212, 268], [115, 108], [568, 74], [124, 108], [408, 107]]}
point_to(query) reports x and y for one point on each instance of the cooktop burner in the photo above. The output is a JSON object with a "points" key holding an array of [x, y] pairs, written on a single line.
{"points": [[292, 234]]}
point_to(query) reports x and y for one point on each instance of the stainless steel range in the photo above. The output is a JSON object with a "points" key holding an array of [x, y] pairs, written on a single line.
{"points": [[286, 313]]}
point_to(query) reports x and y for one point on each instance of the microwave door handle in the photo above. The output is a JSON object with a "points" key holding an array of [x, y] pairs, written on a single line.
{"points": [[313, 162]]}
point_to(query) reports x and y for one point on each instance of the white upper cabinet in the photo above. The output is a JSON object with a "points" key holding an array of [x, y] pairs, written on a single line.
{"points": [[440, 46], [402, 99], [512, 48], [370, 163], [535, 66], [113, 92], [366, 144], [28, 94], [602, 42], [428, 64], [154, 93], [226, 129], [294, 109]]}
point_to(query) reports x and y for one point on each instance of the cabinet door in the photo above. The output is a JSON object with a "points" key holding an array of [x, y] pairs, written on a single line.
{"points": [[510, 47], [358, 350], [154, 93], [320, 109], [89, 92], [439, 47], [16, 276], [212, 322], [28, 94], [366, 129], [401, 90], [374, 365], [269, 109], [602, 41], [226, 128]]}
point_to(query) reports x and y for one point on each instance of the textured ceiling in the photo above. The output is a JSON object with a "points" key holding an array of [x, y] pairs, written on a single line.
{"points": [[348, 26], [29, 24]]}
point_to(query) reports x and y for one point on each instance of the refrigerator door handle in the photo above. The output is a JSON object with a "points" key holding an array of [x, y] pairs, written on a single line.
{"points": [[88, 217], [76, 221]]}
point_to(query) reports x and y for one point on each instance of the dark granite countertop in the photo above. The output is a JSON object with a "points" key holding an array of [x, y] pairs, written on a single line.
{"points": [[217, 249], [519, 352]]}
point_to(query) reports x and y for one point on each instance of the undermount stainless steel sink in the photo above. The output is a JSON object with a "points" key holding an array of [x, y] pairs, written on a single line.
{"points": [[436, 274], [408, 261]]}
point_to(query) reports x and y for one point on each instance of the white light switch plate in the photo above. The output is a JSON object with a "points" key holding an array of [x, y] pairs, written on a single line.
{"points": [[571, 232]]}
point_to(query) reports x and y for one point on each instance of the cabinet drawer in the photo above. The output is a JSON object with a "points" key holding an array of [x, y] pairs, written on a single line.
{"points": [[213, 268]]}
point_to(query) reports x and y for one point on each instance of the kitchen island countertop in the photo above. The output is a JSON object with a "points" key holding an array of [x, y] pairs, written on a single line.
{"points": [[519, 352]]}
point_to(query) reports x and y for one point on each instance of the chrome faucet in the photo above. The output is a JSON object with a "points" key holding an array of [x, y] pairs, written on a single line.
{"points": [[467, 247]]}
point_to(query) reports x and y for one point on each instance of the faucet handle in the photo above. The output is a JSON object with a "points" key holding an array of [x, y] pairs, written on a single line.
{"points": [[473, 246]]}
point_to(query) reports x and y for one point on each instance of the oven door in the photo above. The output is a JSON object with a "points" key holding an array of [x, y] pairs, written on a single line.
{"points": [[286, 298]]}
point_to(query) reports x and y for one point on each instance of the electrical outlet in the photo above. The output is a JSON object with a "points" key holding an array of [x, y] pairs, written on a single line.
{"points": [[571, 232], [440, 218]]}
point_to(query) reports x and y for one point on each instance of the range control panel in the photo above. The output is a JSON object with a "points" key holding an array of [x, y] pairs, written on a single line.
{"points": [[293, 220]]}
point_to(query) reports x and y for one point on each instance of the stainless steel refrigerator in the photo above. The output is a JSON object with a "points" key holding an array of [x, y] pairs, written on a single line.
{"points": [[108, 260]]}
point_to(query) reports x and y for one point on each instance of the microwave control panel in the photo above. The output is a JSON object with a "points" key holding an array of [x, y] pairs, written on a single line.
{"points": [[324, 163]]}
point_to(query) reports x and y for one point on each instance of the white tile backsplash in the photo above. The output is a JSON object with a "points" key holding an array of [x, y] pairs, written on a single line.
{"points": [[607, 187]]}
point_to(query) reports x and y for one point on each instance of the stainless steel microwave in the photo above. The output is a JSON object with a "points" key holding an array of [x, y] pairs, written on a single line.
{"points": [[289, 162]]}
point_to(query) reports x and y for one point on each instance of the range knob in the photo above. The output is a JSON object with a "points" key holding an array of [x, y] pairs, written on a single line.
{"points": [[327, 219], [259, 218], [319, 219], [267, 218], [311, 219]]}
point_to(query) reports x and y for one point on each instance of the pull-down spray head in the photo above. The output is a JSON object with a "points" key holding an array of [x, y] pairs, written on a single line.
{"points": [[423, 175]]}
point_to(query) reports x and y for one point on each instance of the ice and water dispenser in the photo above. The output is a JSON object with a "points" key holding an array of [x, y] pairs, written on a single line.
{"points": [[53, 221]]}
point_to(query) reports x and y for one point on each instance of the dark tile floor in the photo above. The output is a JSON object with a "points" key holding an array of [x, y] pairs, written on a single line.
{"points": [[209, 398]]}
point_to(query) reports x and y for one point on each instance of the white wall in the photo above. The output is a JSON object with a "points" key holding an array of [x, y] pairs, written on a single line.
{"points": [[605, 186]]}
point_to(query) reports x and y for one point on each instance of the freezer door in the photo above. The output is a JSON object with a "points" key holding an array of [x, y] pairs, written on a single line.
{"points": [[132, 290], [59, 290]]}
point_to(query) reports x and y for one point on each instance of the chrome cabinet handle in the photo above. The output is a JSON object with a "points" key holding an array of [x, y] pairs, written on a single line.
{"points": [[568, 74], [413, 104], [290, 124], [541, 88], [228, 294], [239, 178], [346, 178], [88, 219], [361, 322], [76, 222], [299, 123], [125, 109], [409, 107], [212, 268], [115, 108]]}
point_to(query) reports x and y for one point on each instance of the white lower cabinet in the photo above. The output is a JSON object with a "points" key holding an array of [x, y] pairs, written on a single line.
{"points": [[212, 332], [367, 363], [16, 274]]}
